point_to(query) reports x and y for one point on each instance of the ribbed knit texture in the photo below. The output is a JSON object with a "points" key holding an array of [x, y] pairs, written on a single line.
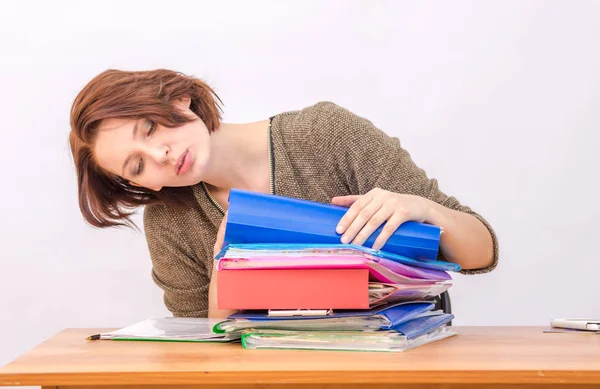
{"points": [[320, 152]]}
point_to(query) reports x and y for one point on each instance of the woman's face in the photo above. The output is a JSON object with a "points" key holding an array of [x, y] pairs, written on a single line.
{"points": [[152, 156]]}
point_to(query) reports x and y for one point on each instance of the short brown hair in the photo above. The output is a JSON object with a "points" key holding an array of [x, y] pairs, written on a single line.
{"points": [[105, 199]]}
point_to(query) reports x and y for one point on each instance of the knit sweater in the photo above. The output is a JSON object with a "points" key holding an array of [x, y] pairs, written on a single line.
{"points": [[318, 152]]}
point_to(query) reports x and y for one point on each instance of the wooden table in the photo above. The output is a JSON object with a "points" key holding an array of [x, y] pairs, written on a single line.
{"points": [[480, 356]]}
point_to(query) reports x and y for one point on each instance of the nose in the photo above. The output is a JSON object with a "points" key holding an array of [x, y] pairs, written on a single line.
{"points": [[159, 153]]}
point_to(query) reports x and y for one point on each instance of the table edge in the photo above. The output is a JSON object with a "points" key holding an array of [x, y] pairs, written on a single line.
{"points": [[306, 377]]}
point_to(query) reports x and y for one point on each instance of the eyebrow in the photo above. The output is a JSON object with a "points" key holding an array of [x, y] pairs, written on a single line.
{"points": [[135, 128]]}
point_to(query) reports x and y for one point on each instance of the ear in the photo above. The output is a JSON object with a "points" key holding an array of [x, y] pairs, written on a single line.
{"points": [[184, 102]]}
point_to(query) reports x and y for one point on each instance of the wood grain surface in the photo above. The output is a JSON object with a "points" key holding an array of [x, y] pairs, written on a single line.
{"points": [[486, 356]]}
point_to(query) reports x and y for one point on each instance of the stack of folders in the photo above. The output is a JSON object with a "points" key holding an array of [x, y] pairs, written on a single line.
{"points": [[294, 286]]}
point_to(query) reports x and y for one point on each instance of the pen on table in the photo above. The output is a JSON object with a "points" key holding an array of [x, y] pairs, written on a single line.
{"points": [[93, 337]]}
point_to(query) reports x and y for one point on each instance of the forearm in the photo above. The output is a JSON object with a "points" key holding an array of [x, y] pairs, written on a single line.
{"points": [[465, 240], [213, 311]]}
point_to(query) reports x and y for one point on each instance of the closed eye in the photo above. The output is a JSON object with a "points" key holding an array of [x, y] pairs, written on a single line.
{"points": [[152, 128], [140, 167]]}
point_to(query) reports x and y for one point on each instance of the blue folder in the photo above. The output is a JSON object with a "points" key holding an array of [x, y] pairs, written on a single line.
{"points": [[355, 320], [396, 313], [411, 319], [255, 217], [422, 325]]}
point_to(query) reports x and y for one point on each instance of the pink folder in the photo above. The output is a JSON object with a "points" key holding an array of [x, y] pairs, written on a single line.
{"points": [[293, 289], [381, 270]]}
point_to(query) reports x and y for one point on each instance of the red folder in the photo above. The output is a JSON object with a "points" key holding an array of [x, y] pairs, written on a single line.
{"points": [[293, 289]]}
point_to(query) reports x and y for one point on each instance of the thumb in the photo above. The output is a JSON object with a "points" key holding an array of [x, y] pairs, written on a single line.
{"points": [[344, 201], [224, 221], [221, 231], [220, 235]]}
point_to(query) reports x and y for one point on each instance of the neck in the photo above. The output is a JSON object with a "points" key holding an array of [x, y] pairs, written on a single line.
{"points": [[239, 157]]}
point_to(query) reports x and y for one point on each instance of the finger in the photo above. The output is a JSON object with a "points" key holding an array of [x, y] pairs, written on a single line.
{"points": [[221, 231], [352, 212], [361, 219], [390, 227], [378, 218], [223, 225], [220, 235], [345, 201]]}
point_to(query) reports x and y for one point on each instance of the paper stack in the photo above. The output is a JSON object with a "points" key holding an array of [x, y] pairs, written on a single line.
{"points": [[295, 286]]}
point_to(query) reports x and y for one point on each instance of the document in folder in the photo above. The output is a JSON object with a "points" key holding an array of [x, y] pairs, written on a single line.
{"points": [[420, 268], [381, 269], [388, 341], [382, 318], [169, 329]]}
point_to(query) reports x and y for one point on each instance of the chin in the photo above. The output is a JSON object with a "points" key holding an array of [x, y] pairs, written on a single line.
{"points": [[196, 172], [194, 181]]}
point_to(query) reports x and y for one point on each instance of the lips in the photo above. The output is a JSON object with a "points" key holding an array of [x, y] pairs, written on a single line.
{"points": [[180, 162]]}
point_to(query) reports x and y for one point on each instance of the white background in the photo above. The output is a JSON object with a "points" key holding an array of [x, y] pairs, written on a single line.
{"points": [[499, 100]]}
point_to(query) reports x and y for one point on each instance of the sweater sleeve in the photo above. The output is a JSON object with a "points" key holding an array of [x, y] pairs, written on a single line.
{"points": [[367, 158], [183, 278]]}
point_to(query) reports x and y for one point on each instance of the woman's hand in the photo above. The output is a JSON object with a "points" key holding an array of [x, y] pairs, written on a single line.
{"points": [[220, 236], [213, 311], [368, 212]]}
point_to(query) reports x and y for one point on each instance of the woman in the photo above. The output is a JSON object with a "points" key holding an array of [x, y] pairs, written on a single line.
{"points": [[155, 138]]}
